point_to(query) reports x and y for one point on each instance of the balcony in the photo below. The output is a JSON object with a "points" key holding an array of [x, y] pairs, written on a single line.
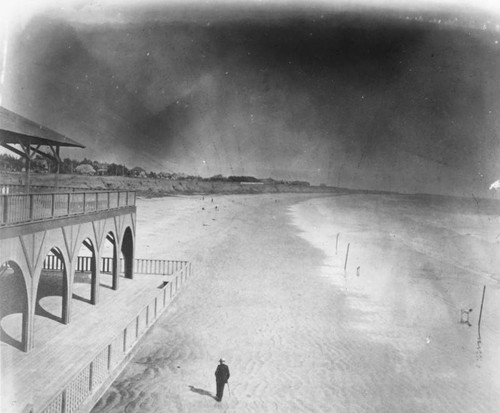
{"points": [[23, 208]]}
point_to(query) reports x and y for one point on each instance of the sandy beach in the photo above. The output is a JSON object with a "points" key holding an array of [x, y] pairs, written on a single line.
{"points": [[299, 334]]}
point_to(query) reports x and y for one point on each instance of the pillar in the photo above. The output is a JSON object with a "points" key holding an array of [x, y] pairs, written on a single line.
{"points": [[68, 277], [116, 264], [28, 328], [96, 277]]}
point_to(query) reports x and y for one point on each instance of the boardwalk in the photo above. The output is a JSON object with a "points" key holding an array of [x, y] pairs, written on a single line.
{"points": [[63, 350]]}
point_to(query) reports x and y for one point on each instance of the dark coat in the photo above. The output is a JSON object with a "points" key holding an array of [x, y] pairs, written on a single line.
{"points": [[222, 373]]}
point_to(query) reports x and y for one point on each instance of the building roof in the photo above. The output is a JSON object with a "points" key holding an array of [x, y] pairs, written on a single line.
{"points": [[15, 129]]}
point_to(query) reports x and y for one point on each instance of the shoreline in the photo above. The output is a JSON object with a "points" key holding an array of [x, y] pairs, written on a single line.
{"points": [[157, 187]]}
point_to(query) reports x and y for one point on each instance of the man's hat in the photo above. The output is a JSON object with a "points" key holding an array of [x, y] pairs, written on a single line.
{"points": [[222, 360]]}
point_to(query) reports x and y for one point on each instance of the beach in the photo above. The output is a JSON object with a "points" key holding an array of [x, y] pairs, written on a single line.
{"points": [[300, 333]]}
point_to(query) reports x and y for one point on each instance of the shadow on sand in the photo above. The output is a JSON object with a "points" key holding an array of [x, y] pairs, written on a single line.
{"points": [[202, 392]]}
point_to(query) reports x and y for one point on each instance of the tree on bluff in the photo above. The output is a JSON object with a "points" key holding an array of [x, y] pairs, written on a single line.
{"points": [[10, 163], [85, 169]]}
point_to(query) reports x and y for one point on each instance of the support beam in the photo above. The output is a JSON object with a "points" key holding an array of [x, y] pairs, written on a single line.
{"points": [[12, 149], [44, 154]]}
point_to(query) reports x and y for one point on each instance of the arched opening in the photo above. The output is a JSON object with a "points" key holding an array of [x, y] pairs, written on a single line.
{"points": [[52, 291], [85, 278], [13, 306], [128, 253], [109, 262]]}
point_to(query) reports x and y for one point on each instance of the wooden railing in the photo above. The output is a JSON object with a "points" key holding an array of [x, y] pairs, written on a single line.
{"points": [[158, 267], [16, 209], [141, 266], [83, 390], [12, 189]]}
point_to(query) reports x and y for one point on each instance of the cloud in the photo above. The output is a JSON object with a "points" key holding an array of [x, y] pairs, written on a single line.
{"points": [[362, 102]]}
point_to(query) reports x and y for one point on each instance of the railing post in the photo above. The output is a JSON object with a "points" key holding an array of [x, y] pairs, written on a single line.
{"points": [[108, 198], [97, 201], [69, 205], [126, 199], [84, 202], [125, 340], [31, 206], [5, 208], [63, 402], [110, 354], [53, 206], [91, 375]]}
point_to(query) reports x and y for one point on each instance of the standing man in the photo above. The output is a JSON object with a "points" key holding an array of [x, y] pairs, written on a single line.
{"points": [[221, 377]]}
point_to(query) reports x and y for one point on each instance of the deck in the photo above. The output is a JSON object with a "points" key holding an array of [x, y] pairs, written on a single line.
{"points": [[62, 351]]}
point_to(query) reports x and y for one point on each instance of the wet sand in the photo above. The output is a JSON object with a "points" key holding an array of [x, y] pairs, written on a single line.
{"points": [[299, 334]]}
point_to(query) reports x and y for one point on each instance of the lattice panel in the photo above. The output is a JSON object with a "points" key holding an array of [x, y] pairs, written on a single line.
{"points": [[154, 310], [152, 316], [142, 322], [160, 304], [55, 405], [100, 368], [77, 391], [131, 339], [166, 297], [117, 350]]}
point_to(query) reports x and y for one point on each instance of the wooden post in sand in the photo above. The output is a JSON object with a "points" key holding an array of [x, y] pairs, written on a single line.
{"points": [[480, 314], [337, 244], [346, 256]]}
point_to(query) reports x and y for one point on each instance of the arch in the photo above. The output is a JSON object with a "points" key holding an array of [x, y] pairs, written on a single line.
{"points": [[128, 253], [86, 272], [48, 250], [14, 306], [109, 261], [51, 296]]}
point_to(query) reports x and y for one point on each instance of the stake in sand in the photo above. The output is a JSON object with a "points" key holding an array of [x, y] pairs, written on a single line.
{"points": [[480, 314], [346, 256]]}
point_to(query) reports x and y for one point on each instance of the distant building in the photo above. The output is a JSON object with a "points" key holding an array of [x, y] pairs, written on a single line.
{"points": [[102, 169]]}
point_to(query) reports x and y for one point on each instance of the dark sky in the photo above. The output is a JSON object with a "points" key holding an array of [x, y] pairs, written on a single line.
{"points": [[353, 98]]}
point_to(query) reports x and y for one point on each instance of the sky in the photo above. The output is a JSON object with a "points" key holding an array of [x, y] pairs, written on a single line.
{"points": [[395, 95]]}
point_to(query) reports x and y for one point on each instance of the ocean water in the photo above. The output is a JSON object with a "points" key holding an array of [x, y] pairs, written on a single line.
{"points": [[414, 263]]}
